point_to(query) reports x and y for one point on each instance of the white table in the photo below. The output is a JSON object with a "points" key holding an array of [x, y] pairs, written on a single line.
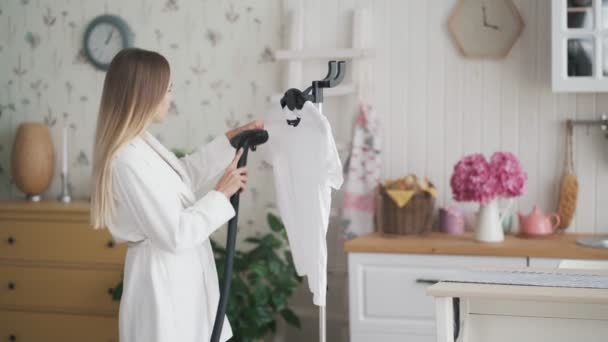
{"points": [[507, 313]]}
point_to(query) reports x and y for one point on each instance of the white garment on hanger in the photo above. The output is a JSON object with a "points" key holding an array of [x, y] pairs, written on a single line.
{"points": [[170, 286], [306, 165]]}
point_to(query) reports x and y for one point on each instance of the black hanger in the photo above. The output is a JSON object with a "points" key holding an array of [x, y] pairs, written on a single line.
{"points": [[295, 99]]}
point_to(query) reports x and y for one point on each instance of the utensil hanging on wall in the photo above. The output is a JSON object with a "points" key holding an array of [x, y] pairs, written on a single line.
{"points": [[569, 184]]}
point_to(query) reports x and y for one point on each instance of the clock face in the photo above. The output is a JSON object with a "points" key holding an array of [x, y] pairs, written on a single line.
{"points": [[104, 38], [104, 42], [485, 28]]}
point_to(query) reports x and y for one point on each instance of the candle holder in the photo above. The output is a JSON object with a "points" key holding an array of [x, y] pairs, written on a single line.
{"points": [[65, 196]]}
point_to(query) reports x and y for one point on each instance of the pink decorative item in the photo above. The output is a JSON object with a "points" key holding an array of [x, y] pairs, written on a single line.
{"points": [[451, 220], [509, 175], [537, 223], [475, 179], [472, 180]]}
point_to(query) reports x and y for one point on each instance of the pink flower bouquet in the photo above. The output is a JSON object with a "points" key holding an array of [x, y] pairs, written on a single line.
{"points": [[479, 180]]}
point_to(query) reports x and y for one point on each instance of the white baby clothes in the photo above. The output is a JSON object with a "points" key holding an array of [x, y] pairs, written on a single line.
{"points": [[306, 165], [363, 167]]}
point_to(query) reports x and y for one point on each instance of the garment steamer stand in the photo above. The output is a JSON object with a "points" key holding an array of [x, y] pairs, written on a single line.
{"points": [[295, 99]]}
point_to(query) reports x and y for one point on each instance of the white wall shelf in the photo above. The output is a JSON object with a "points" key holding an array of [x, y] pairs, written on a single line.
{"points": [[301, 54]]}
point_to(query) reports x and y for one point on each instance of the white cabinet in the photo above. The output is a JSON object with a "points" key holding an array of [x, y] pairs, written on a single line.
{"points": [[387, 292], [579, 45]]}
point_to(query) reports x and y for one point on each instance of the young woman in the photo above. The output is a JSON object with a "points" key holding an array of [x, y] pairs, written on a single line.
{"points": [[153, 201]]}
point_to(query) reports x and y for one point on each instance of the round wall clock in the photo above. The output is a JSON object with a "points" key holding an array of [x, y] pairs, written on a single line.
{"points": [[485, 28], [104, 37]]}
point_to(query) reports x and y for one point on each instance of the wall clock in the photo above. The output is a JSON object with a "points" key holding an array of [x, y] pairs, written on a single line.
{"points": [[485, 28], [104, 37]]}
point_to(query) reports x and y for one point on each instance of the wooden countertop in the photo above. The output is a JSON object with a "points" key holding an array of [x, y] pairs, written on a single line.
{"points": [[555, 246], [78, 210], [45, 204]]}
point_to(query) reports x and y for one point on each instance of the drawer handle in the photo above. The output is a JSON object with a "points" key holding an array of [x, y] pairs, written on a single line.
{"points": [[111, 244], [12, 337], [10, 240], [11, 285], [110, 291], [426, 281]]}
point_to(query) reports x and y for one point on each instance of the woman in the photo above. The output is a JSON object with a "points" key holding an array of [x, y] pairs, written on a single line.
{"points": [[151, 200]]}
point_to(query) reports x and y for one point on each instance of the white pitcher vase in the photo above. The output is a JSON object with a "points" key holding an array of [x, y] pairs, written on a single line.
{"points": [[489, 223]]}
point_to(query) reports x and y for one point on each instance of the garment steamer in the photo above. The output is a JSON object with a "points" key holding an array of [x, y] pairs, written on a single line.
{"points": [[249, 139], [293, 99]]}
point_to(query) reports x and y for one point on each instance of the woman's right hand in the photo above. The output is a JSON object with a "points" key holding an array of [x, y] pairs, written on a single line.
{"points": [[234, 178]]}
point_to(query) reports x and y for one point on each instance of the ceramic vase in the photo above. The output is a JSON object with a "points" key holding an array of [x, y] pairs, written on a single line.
{"points": [[32, 159], [489, 223]]}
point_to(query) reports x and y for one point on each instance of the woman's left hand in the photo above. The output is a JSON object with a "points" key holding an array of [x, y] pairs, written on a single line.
{"points": [[256, 124]]}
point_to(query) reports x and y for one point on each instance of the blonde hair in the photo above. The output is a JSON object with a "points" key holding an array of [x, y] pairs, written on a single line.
{"points": [[134, 86]]}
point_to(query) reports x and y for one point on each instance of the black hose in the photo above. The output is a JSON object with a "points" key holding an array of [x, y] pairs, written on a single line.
{"points": [[247, 139], [230, 249]]}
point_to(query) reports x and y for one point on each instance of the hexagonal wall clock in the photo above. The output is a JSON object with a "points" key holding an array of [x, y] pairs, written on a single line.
{"points": [[485, 28]]}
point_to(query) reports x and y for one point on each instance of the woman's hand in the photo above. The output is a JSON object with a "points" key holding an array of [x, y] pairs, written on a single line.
{"points": [[233, 178], [257, 124]]}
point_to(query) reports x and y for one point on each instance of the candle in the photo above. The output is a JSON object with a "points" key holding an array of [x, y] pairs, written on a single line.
{"points": [[64, 168]]}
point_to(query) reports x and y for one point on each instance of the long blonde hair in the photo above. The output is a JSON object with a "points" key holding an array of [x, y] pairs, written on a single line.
{"points": [[134, 86]]}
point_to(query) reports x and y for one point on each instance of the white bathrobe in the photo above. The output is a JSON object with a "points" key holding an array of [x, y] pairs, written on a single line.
{"points": [[171, 288]]}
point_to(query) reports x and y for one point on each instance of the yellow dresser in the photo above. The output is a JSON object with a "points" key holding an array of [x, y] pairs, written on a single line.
{"points": [[56, 274]]}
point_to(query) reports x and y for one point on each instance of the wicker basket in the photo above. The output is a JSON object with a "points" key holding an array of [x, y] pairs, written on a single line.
{"points": [[415, 217]]}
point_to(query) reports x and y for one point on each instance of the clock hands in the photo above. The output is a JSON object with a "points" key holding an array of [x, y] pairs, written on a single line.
{"points": [[485, 18], [109, 36]]}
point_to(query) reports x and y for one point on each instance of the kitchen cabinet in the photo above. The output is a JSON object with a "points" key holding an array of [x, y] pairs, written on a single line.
{"points": [[387, 291], [579, 45], [388, 276]]}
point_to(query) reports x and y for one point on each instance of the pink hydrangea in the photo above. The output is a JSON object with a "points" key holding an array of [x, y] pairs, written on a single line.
{"points": [[472, 179], [511, 178], [479, 180]]}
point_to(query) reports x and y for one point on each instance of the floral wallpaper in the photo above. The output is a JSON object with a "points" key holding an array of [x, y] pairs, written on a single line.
{"points": [[222, 64]]}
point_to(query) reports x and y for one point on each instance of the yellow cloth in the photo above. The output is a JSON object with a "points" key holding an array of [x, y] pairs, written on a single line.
{"points": [[401, 197]]}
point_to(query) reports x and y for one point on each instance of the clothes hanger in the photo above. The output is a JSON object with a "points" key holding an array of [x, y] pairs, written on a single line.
{"points": [[295, 99]]}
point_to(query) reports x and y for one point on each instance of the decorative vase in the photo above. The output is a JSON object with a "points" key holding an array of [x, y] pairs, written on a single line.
{"points": [[33, 159], [489, 223]]}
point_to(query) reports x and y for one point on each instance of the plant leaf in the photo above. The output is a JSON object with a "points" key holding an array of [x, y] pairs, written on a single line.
{"points": [[275, 223], [290, 317], [117, 292]]}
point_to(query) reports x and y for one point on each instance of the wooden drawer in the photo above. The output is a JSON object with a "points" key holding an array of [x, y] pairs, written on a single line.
{"points": [[36, 327], [63, 289], [72, 242]]}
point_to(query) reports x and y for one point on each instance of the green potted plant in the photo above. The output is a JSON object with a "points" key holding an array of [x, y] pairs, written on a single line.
{"points": [[262, 282]]}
